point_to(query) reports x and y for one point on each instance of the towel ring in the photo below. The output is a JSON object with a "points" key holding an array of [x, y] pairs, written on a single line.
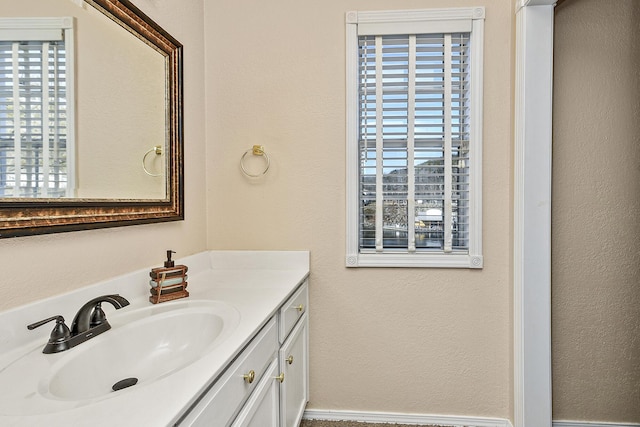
{"points": [[257, 150], [158, 150]]}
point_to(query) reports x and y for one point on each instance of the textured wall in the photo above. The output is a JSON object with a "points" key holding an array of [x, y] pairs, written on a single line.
{"points": [[596, 200], [39, 266], [399, 340]]}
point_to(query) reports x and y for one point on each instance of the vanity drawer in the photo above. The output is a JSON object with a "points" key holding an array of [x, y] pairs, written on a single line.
{"points": [[293, 310], [221, 403]]}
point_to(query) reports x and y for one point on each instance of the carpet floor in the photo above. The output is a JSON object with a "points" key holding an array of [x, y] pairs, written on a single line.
{"points": [[320, 423]]}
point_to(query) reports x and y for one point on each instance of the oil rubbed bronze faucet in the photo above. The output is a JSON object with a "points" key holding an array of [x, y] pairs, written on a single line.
{"points": [[90, 321]]}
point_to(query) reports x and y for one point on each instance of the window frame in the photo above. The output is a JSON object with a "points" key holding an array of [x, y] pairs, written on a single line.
{"points": [[423, 21], [37, 28]]}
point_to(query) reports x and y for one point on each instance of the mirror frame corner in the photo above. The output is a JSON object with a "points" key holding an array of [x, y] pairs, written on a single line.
{"points": [[26, 217]]}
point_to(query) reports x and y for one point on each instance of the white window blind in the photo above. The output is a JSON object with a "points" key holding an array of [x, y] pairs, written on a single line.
{"points": [[414, 139], [36, 135], [414, 136]]}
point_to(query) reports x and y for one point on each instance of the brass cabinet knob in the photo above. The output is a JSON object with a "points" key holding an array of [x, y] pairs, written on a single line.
{"points": [[280, 377], [300, 308], [250, 376], [289, 360]]}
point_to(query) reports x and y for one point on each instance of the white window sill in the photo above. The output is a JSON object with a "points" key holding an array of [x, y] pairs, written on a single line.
{"points": [[416, 260]]}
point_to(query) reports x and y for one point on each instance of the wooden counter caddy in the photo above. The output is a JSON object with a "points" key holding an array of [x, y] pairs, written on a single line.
{"points": [[162, 292]]}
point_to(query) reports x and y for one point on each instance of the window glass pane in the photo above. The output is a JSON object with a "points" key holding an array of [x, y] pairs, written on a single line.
{"points": [[434, 125], [395, 224]]}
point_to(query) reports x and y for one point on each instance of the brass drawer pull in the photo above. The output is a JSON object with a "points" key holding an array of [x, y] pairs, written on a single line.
{"points": [[289, 360], [280, 377], [300, 308], [250, 376]]}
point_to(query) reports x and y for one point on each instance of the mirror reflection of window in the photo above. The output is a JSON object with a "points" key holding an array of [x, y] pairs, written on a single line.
{"points": [[36, 108]]}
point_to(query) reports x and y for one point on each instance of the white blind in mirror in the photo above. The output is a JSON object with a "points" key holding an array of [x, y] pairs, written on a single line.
{"points": [[36, 136]]}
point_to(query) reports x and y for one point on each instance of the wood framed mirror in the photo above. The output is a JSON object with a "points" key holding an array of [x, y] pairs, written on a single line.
{"points": [[23, 216]]}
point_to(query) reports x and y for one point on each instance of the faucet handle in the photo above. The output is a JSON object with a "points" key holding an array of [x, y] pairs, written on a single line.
{"points": [[97, 317], [60, 331]]}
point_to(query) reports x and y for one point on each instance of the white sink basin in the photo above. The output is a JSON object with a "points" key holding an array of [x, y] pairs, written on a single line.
{"points": [[143, 345]]}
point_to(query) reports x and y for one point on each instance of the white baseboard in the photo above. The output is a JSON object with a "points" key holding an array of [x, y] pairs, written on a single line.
{"points": [[411, 419], [592, 424]]}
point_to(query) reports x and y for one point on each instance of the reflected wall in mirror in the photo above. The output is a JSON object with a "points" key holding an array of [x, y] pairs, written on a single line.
{"points": [[123, 146]]}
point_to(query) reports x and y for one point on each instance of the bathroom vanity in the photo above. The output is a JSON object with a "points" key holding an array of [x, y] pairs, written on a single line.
{"points": [[270, 374], [234, 353]]}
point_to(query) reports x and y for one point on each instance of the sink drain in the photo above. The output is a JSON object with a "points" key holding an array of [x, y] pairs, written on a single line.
{"points": [[127, 382]]}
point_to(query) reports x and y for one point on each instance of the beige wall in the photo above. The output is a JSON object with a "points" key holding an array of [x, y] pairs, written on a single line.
{"points": [[39, 266], [432, 341], [596, 200]]}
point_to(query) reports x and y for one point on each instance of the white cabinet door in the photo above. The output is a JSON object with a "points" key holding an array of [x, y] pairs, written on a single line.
{"points": [[294, 363], [262, 409]]}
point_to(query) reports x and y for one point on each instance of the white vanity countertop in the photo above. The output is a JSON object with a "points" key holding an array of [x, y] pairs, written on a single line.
{"points": [[256, 283]]}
